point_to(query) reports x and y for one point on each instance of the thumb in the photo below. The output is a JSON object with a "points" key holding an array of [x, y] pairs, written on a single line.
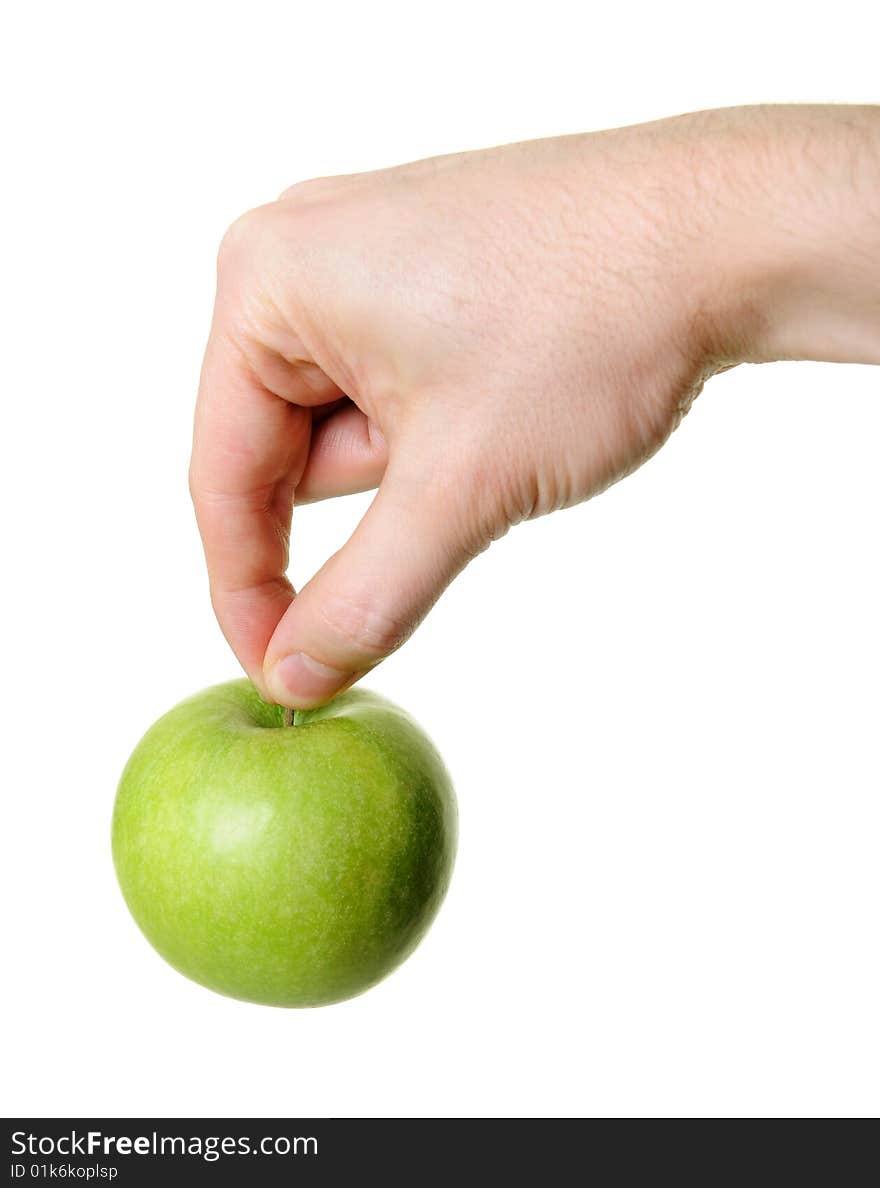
{"points": [[369, 597]]}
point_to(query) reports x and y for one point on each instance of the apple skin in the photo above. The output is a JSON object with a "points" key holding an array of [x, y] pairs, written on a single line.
{"points": [[287, 865]]}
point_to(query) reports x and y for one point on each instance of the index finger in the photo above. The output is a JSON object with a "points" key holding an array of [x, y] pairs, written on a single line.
{"points": [[249, 449]]}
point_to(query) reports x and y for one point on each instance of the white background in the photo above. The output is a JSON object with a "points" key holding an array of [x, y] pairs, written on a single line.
{"points": [[660, 708]]}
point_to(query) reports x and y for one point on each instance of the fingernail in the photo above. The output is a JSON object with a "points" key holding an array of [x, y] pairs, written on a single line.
{"points": [[303, 682]]}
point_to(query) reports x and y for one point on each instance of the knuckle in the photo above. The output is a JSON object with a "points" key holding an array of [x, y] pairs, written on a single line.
{"points": [[302, 190], [364, 629], [240, 236], [234, 236]]}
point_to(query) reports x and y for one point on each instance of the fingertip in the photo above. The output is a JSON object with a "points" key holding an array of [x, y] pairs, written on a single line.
{"points": [[301, 682]]}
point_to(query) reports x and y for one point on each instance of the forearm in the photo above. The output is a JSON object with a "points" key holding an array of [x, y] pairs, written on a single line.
{"points": [[794, 240]]}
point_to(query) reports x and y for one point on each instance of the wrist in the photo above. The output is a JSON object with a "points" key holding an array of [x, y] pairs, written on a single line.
{"points": [[792, 243]]}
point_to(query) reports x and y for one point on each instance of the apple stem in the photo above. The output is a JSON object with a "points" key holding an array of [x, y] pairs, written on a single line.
{"points": [[288, 717]]}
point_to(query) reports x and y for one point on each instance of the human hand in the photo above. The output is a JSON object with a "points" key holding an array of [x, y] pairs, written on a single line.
{"points": [[490, 336]]}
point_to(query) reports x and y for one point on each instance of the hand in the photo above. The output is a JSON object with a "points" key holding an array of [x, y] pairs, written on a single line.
{"points": [[490, 336]]}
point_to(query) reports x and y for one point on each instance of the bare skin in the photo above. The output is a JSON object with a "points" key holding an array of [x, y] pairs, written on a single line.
{"points": [[489, 336]]}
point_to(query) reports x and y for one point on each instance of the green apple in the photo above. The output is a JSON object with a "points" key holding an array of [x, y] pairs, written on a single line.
{"points": [[292, 865]]}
